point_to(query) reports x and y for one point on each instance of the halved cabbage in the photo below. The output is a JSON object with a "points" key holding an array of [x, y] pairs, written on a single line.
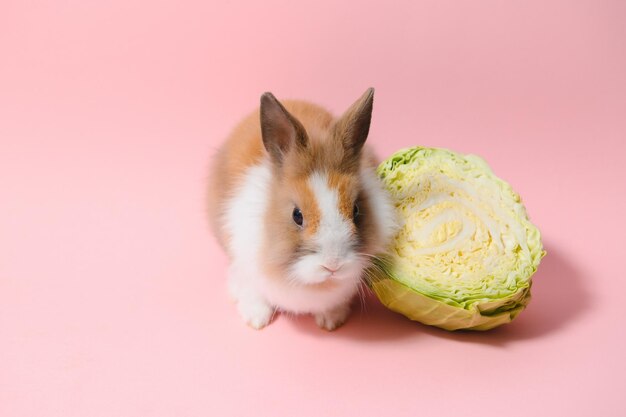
{"points": [[465, 251]]}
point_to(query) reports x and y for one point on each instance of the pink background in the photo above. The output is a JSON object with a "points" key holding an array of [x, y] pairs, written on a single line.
{"points": [[112, 291]]}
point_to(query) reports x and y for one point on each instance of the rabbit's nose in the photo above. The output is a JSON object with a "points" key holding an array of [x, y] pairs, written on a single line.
{"points": [[332, 266]]}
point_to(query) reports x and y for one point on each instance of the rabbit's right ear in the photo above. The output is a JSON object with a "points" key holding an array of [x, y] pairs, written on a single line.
{"points": [[353, 127], [279, 129]]}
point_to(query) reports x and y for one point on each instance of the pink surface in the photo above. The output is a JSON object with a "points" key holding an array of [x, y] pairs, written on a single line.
{"points": [[112, 292]]}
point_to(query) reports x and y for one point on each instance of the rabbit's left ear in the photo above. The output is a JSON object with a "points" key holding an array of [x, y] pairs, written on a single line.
{"points": [[353, 126], [279, 129]]}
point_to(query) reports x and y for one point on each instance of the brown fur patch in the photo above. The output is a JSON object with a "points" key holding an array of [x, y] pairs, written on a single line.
{"points": [[305, 200]]}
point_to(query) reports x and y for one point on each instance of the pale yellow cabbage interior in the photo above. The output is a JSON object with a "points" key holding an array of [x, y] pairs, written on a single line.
{"points": [[464, 234]]}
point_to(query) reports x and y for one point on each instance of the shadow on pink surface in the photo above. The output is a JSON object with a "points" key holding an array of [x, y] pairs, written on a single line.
{"points": [[559, 300]]}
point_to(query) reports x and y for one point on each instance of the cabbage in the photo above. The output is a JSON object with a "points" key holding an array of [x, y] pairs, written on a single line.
{"points": [[465, 250]]}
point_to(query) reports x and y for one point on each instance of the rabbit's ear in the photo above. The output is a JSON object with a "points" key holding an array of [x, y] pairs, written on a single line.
{"points": [[279, 129], [353, 126]]}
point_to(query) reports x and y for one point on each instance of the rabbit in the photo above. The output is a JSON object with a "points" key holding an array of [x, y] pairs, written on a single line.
{"points": [[295, 202]]}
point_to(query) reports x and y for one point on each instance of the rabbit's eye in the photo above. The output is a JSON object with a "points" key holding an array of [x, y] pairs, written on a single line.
{"points": [[297, 216], [355, 212]]}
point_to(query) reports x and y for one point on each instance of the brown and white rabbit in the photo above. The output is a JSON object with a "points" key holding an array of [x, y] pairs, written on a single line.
{"points": [[295, 202]]}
